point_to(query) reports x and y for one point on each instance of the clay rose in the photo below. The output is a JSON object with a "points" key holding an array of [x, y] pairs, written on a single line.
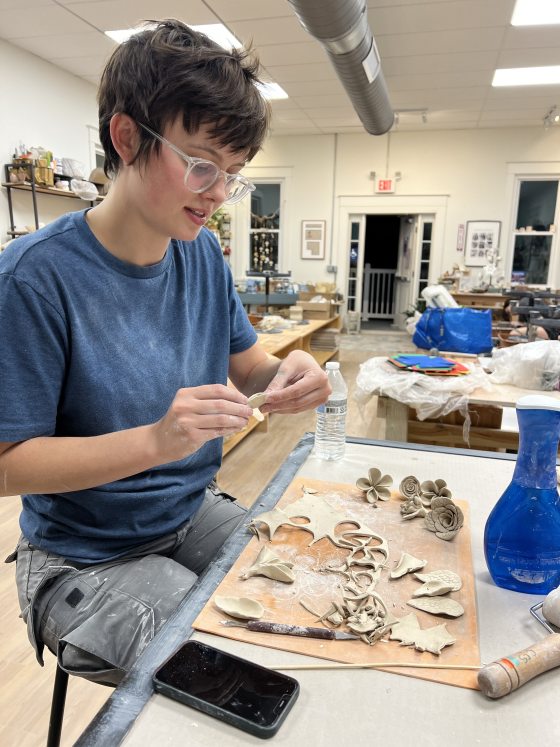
{"points": [[410, 486], [375, 485], [445, 518]]}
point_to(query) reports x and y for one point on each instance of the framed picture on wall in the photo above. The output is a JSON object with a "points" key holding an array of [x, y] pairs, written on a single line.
{"points": [[313, 239], [481, 236]]}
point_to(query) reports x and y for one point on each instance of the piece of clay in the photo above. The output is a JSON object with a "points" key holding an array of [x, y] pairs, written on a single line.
{"points": [[407, 563], [410, 486], [449, 577], [257, 400], [408, 631], [375, 485], [434, 588], [271, 566], [551, 607], [413, 508], [432, 489], [438, 606], [322, 521], [242, 608], [445, 518]]}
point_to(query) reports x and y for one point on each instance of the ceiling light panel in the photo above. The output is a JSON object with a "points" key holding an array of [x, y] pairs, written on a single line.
{"points": [[536, 13], [527, 76]]}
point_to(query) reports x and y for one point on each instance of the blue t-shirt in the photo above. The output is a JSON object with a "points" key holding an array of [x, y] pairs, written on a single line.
{"points": [[89, 345]]}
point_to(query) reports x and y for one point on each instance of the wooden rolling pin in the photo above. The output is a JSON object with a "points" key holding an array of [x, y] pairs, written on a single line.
{"points": [[510, 673]]}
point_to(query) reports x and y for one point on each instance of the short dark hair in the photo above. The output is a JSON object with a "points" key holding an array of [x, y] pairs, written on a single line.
{"points": [[167, 70]]}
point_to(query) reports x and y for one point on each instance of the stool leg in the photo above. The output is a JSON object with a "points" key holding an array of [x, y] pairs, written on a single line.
{"points": [[57, 707]]}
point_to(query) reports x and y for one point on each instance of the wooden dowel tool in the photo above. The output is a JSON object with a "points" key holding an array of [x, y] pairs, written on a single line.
{"points": [[376, 665], [510, 673]]}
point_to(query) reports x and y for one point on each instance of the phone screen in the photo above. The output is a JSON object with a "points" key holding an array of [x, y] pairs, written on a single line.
{"points": [[221, 683]]}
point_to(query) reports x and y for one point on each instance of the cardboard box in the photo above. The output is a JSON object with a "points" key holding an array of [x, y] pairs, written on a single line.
{"points": [[324, 310]]}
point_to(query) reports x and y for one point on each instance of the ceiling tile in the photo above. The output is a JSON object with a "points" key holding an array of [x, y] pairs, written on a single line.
{"points": [[270, 30], [437, 16], [296, 54], [108, 15], [319, 71], [529, 57], [243, 10], [68, 45], [25, 22], [462, 62]]}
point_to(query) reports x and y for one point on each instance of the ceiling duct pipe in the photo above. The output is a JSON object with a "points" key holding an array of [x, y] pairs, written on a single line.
{"points": [[342, 28]]}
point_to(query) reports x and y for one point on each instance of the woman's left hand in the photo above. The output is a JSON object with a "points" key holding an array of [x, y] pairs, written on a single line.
{"points": [[299, 384]]}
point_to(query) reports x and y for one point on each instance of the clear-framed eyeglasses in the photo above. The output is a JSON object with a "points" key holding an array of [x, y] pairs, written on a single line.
{"points": [[201, 174]]}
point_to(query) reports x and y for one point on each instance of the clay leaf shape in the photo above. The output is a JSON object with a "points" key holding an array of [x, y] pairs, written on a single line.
{"points": [[242, 608], [434, 588], [407, 630], [438, 606], [449, 577], [407, 564], [375, 485], [271, 566]]}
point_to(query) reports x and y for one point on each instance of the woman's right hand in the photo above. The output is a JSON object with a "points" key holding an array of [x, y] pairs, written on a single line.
{"points": [[197, 415]]}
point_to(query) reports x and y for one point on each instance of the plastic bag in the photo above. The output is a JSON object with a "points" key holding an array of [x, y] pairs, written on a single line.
{"points": [[431, 396], [529, 365], [458, 330]]}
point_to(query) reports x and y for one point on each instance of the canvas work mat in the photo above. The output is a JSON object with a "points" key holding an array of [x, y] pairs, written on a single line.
{"points": [[318, 588]]}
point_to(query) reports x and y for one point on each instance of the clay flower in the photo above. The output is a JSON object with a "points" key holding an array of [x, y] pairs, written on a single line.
{"points": [[413, 508], [445, 518], [375, 485], [430, 489], [410, 486]]}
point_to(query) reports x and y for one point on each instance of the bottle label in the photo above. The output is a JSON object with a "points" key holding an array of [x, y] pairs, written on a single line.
{"points": [[334, 408]]}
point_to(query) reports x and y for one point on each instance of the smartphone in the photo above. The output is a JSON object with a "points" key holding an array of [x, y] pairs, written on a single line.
{"points": [[234, 690]]}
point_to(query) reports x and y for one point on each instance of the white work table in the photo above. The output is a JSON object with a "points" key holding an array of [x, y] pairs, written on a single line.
{"points": [[339, 707]]}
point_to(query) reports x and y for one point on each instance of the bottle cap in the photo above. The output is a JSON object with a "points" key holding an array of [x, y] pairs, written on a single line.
{"points": [[537, 402], [332, 365]]}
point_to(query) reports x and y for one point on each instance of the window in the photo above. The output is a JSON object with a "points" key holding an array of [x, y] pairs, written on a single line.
{"points": [[534, 234], [264, 234], [353, 264], [425, 252]]}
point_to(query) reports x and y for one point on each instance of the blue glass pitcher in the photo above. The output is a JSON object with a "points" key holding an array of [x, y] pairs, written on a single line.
{"points": [[522, 533]]}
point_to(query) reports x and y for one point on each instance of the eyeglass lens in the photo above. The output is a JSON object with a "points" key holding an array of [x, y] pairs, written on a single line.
{"points": [[202, 175]]}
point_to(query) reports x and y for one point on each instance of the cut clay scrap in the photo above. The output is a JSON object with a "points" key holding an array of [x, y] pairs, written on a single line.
{"points": [[407, 564], [271, 566], [322, 521], [257, 400], [438, 606], [408, 631], [449, 577], [242, 608]]}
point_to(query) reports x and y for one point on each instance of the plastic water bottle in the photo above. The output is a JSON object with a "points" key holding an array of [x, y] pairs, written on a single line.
{"points": [[522, 534], [330, 431]]}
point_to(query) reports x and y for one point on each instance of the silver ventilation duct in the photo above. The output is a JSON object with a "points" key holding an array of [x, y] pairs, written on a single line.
{"points": [[342, 28]]}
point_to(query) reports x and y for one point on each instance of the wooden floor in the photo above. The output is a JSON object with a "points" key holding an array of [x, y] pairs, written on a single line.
{"points": [[25, 687]]}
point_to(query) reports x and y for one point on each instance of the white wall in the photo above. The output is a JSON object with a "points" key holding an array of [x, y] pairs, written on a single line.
{"points": [[470, 166], [42, 105]]}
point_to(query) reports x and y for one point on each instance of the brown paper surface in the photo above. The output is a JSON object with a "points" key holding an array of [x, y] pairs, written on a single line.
{"points": [[282, 601]]}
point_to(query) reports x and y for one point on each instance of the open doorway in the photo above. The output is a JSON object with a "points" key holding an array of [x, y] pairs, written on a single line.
{"points": [[383, 245]]}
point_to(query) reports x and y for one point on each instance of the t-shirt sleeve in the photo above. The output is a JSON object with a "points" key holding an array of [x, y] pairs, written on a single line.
{"points": [[33, 344], [242, 334]]}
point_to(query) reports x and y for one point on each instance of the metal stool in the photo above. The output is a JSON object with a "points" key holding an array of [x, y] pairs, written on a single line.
{"points": [[57, 707]]}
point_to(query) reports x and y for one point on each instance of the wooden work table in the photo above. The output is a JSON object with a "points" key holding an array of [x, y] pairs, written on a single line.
{"points": [[338, 707], [399, 421]]}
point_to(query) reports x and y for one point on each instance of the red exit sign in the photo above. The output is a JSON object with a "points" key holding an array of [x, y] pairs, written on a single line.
{"points": [[384, 185]]}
